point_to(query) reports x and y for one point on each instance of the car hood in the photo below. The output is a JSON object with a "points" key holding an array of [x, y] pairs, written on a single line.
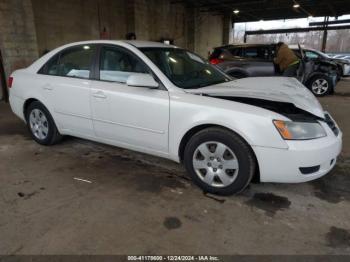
{"points": [[278, 89], [340, 60]]}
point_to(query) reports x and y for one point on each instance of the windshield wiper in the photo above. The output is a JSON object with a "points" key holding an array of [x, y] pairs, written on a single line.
{"points": [[210, 84]]}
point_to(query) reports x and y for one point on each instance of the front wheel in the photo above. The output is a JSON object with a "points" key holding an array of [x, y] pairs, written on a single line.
{"points": [[320, 85], [219, 161]]}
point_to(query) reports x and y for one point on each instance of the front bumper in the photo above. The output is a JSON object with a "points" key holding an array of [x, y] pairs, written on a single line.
{"points": [[346, 70], [284, 165], [334, 79]]}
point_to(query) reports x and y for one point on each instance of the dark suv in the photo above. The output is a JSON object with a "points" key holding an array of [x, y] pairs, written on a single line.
{"points": [[247, 60]]}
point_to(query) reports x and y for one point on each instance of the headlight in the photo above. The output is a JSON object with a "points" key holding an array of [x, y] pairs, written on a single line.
{"points": [[290, 130]]}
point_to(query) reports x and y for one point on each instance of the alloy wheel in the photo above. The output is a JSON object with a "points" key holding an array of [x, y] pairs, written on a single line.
{"points": [[320, 86]]}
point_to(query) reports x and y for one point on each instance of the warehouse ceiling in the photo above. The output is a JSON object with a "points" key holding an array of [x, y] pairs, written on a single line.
{"points": [[256, 10]]}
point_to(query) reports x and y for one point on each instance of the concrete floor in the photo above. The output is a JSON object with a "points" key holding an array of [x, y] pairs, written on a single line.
{"points": [[137, 204]]}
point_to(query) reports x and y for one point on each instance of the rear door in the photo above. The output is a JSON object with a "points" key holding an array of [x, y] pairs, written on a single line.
{"points": [[260, 60], [66, 86]]}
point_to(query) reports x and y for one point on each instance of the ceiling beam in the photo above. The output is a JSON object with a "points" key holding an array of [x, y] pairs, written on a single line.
{"points": [[295, 30]]}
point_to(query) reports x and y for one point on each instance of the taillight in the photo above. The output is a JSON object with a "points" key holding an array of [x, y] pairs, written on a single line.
{"points": [[215, 61], [10, 82]]}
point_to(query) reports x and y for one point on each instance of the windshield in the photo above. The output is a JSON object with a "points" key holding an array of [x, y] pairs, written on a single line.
{"points": [[320, 53], [185, 69]]}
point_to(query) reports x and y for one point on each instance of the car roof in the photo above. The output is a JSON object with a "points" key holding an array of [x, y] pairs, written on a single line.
{"points": [[135, 43], [243, 45], [143, 44]]}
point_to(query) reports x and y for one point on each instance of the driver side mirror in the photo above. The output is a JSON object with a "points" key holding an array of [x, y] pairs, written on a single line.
{"points": [[142, 80]]}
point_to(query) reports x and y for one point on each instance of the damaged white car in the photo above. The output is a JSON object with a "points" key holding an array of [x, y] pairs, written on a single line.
{"points": [[166, 101]]}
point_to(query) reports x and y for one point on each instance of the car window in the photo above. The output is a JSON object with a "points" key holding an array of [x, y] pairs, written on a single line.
{"points": [[251, 52], [311, 54], [236, 51], [261, 52], [74, 62], [185, 69], [117, 65], [216, 53], [52, 66]]}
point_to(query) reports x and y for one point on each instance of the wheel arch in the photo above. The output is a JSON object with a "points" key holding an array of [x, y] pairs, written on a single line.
{"points": [[29, 101], [26, 104], [240, 71], [315, 74], [194, 130]]}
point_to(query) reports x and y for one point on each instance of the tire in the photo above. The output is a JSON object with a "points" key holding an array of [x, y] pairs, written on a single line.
{"points": [[219, 161], [320, 85], [41, 124]]}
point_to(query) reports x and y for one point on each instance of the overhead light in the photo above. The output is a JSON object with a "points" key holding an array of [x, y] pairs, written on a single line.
{"points": [[296, 5], [236, 11], [86, 47]]}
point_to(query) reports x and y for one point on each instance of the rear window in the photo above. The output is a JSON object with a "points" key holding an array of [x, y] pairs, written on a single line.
{"points": [[72, 62]]}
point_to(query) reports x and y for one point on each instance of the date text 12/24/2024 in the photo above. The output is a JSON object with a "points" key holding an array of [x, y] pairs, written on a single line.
{"points": [[173, 258]]}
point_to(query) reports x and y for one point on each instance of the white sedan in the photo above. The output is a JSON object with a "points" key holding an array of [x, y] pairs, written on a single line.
{"points": [[169, 102]]}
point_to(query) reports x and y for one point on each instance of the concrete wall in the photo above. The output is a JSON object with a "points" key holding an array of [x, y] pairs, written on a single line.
{"points": [[18, 42], [60, 22], [65, 21], [157, 19], [29, 27], [189, 28], [208, 32]]}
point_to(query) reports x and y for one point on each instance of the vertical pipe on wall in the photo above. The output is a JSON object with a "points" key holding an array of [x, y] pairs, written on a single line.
{"points": [[4, 91]]}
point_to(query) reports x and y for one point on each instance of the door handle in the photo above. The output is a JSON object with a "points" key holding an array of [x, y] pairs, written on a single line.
{"points": [[99, 94]]}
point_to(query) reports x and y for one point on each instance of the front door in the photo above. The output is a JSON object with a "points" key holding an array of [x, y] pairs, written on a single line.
{"points": [[132, 117]]}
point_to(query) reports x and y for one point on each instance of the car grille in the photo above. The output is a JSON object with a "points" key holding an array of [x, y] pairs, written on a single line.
{"points": [[331, 124]]}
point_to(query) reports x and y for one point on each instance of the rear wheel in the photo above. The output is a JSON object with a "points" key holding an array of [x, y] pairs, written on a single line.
{"points": [[219, 161], [320, 85], [41, 125]]}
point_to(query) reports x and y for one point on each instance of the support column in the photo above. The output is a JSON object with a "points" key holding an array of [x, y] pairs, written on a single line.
{"points": [[190, 27], [130, 16], [227, 29], [18, 42], [325, 34]]}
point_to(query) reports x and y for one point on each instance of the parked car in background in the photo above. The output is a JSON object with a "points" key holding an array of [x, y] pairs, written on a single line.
{"points": [[343, 65], [169, 102], [248, 60]]}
